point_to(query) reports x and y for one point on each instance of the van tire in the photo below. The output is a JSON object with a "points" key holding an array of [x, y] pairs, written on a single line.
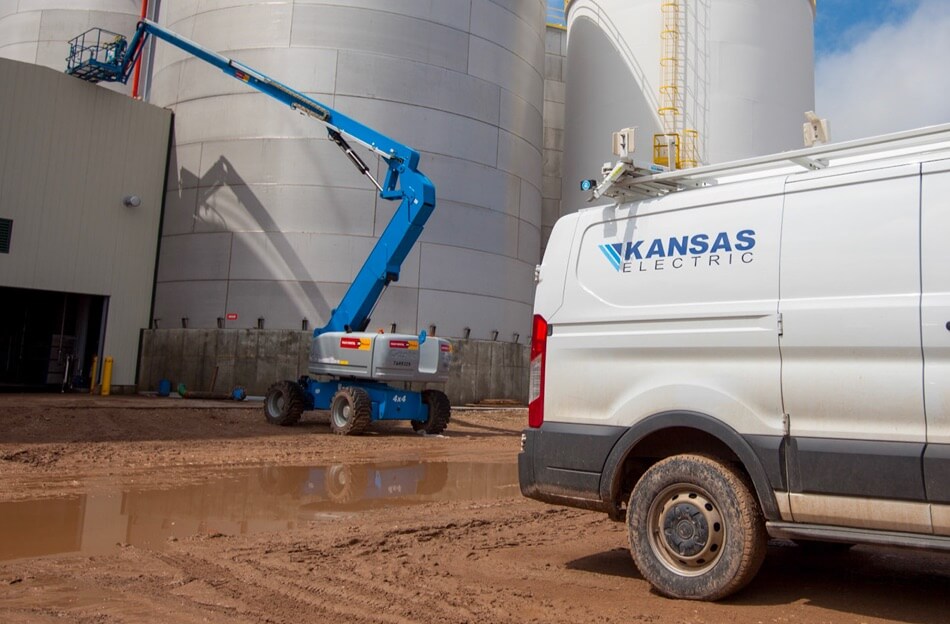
{"points": [[695, 528]]}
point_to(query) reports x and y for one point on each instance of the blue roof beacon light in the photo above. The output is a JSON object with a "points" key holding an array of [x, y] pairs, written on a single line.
{"points": [[588, 185]]}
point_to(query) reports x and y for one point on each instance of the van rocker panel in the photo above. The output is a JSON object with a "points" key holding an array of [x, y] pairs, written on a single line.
{"points": [[936, 472], [859, 468]]}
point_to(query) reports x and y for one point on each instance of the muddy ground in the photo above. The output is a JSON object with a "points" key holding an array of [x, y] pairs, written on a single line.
{"points": [[496, 559]]}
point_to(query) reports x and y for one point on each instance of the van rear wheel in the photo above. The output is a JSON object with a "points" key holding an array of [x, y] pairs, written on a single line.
{"points": [[695, 528]]}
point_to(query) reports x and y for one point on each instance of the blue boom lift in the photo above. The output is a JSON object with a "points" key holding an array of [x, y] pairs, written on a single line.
{"points": [[354, 366]]}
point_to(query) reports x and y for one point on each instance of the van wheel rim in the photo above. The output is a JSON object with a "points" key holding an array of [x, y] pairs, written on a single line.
{"points": [[687, 531]]}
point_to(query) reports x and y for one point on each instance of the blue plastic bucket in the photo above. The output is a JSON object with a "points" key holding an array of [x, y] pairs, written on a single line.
{"points": [[164, 388]]}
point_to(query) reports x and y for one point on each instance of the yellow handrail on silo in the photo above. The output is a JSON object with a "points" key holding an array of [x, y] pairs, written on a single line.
{"points": [[663, 145], [688, 155]]}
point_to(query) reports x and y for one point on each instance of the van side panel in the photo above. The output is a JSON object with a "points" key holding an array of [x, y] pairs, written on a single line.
{"points": [[935, 316], [851, 353], [663, 286]]}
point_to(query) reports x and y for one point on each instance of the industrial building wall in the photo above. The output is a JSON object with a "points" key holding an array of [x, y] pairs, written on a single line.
{"points": [[70, 152]]}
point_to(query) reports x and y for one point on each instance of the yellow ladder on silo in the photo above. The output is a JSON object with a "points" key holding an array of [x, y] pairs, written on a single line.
{"points": [[673, 148]]}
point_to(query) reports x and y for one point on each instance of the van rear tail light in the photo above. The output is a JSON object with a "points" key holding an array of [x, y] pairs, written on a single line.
{"points": [[539, 343]]}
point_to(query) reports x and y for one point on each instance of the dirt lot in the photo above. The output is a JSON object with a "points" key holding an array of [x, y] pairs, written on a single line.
{"points": [[481, 559]]}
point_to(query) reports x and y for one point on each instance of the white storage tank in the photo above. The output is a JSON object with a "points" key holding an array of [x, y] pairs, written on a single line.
{"points": [[38, 32], [266, 219], [744, 77]]}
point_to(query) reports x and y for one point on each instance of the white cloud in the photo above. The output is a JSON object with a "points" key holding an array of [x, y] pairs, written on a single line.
{"points": [[897, 77]]}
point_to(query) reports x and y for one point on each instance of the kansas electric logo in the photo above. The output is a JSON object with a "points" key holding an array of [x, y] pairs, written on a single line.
{"points": [[678, 252]]}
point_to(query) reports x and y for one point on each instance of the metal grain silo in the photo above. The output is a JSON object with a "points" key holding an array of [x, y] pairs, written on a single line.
{"points": [[734, 77], [264, 217], [38, 31]]}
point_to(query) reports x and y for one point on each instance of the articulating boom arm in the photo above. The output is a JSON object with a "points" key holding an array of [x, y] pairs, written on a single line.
{"points": [[101, 56]]}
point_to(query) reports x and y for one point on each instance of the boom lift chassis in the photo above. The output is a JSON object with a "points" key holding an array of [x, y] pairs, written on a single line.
{"points": [[355, 366]]}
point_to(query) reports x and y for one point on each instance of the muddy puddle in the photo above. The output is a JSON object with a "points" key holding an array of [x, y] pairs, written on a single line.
{"points": [[245, 501]]}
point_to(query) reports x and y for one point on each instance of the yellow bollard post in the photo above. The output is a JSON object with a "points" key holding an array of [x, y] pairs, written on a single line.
{"points": [[107, 376], [92, 377]]}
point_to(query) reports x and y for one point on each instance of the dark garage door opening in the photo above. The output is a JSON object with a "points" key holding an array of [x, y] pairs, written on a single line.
{"points": [[48, 339]]}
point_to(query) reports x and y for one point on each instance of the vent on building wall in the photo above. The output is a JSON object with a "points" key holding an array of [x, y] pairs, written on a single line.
{"points": [[6, 233]]}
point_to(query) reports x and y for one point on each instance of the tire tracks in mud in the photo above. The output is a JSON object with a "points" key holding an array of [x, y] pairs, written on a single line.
{"points": [[302, 583], [366, 568], [353, 573]]}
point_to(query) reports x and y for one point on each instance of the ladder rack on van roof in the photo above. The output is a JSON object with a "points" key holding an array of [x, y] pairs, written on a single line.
{"points": [[628, 182]]}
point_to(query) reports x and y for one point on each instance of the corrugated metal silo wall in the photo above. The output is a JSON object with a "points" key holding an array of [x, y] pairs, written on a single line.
{"points": [[747, 79], [265, 218]]}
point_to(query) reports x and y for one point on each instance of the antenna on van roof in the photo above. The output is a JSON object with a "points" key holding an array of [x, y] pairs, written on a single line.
{"points": [[816, 130], [623, 143]]}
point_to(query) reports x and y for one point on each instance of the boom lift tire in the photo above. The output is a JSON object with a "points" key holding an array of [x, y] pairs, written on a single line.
{"points": [[440, 411], [350, 411], [284, 403], [343, 482], [695, 528]]}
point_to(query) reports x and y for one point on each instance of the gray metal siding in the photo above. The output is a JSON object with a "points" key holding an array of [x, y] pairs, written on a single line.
{"points": [[69, 153]]}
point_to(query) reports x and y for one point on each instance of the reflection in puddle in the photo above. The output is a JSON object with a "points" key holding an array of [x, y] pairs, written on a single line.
{"points": [[247, 501]]}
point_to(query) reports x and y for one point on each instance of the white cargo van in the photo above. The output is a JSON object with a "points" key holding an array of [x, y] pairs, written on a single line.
{"points": [[751, 350]]}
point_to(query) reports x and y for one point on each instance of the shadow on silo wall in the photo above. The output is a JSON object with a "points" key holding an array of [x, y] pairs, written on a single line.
{"points": [[256, 358]]}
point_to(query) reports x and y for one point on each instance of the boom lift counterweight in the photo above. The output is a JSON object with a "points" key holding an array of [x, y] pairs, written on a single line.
{"points": [[354, 364]]}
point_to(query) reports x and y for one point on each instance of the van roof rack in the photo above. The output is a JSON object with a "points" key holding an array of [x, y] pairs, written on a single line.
{"points": [[628, 182]]}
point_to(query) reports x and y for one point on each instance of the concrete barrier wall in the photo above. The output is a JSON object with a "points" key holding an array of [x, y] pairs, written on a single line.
{"points": [[256, 358]]}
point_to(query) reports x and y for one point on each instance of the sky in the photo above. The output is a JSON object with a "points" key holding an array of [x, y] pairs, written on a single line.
{"points": [[882, 65]]}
